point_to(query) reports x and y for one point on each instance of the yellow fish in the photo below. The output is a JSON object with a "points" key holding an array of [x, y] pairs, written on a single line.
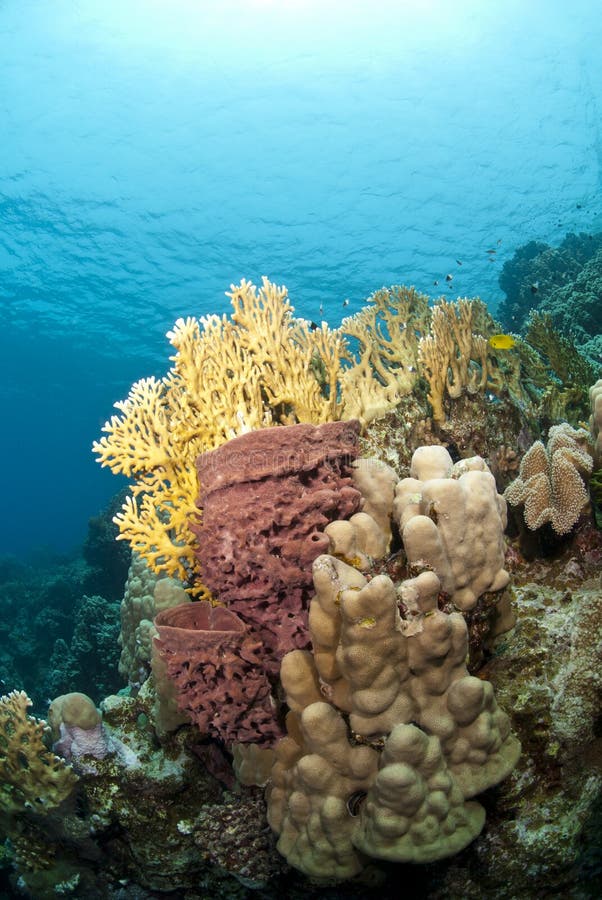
{"points": [[502, 341]]}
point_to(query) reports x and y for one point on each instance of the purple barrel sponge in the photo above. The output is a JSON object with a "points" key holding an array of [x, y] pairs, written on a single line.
{"points": [[266, 497], [217, 667]]}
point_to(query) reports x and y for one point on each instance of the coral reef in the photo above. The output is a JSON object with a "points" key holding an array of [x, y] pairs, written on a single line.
{"points": [[546, 670], [54, 637], [265, 368], [564, 395], [386, 681], [595, 395], [89, 659], [228, 376], [108, 559], [537, 271], [574, 307]]}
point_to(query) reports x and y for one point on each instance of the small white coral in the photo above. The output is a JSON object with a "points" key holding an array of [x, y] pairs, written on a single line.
{"points": [[550, 485]]}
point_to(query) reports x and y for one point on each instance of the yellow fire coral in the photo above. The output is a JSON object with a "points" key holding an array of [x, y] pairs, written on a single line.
{"points": [[261, 367], [31, 777], [387, 333], [453, 357]]}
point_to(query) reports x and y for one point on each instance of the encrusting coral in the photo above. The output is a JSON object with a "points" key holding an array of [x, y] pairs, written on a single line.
{"points": [[31, 776], [550, 484]]}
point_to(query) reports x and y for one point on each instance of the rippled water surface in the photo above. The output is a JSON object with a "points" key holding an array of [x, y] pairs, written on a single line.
{"points": [[154, 152]]}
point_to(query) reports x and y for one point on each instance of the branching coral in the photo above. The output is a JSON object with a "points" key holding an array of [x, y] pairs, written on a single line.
{"points": [[567, 392], [31, 777], [228, 376], [262, 367], [454, 358], [258, 368], [387, 332], [550, 485], [142, 443]]}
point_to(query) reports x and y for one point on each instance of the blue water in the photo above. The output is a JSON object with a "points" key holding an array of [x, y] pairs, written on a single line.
{"points": [[154, 151]]}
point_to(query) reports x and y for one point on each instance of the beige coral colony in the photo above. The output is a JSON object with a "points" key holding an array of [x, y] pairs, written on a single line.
{"points": [[341, 680], [389, 738]]}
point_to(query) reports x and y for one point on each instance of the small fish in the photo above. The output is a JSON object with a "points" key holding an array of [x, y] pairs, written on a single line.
{"points": [[492, 398], [321, 309], [345, 302], [535, 287], [435, 283], [502, 341], [313, 326], [579, 206], [449, 277], [491, 250], [354, 802], [499, 241], [459, 261]]}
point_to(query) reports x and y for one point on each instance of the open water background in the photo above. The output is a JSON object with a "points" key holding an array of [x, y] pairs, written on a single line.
{"points": [[154, 152]]}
